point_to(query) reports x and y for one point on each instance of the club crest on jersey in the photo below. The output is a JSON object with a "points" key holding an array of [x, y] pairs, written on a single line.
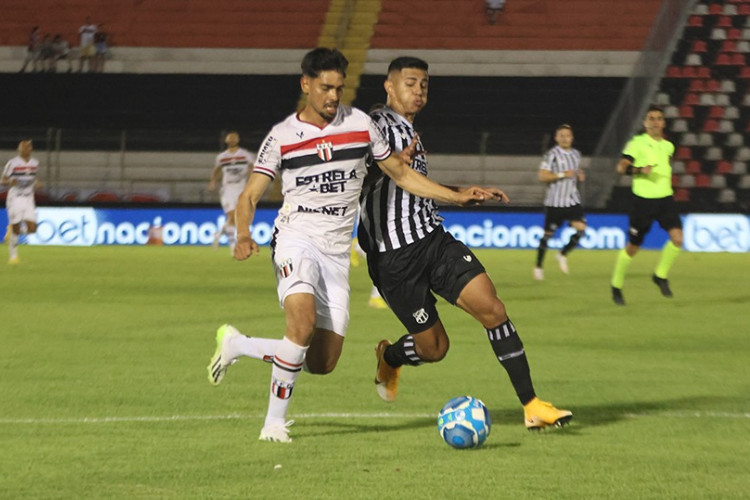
{"points": [[421, 316], [325, 151], [286, 268]]}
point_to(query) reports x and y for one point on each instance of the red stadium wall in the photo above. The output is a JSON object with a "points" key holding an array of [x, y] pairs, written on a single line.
{"points": [[524, 25], [172, 23]]}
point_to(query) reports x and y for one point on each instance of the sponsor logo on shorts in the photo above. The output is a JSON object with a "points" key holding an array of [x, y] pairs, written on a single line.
{"points": [[467, 258], [421, 316]]}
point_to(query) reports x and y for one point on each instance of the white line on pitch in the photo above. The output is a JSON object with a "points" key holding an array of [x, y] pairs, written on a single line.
{"points": [[690, 414], [237, 416], [175, 418]]}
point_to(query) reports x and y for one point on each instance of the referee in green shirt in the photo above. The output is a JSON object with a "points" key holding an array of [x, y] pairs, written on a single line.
{"points": [[646, 158]]}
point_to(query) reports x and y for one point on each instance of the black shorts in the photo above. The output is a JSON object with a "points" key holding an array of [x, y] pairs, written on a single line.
{"points": [[406, 276], [555, 216], [645, 211]]}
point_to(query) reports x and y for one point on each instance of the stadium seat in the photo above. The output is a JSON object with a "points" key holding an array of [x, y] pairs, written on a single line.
{"points": [[693, 60], [727, 196], [730, 10], [744, 10], [713, 153], [683, 153], [700, 9], [702, 181], [734, 140], [104, 197], [686, 112], [679, 125], [723, 167], [718, 34], [678, 168], [687, 181], [716, 112], [734, 34], [739, 168], [695, 21], [699, 46], [689, 139], [682, 195], [697, 85], [722, 60], [727, 86], [715, 9], [693, 167], [705, 139], [710, 126], [718, 181], [691, 99]]}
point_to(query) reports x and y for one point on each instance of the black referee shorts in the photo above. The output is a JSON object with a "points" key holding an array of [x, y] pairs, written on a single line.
{"points": [[645, 211], [555, 216], [406, 276]]}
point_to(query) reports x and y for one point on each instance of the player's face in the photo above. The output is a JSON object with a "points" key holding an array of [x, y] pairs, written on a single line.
{"points": [[654, 123], [232, 140], [25, 148], [564, 138], [407, 91], [323, 94]]}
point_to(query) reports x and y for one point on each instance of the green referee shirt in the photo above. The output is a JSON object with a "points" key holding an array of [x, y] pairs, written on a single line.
{"points": [[645, 150]]}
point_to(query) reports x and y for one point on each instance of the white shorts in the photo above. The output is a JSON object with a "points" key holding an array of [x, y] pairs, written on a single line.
{"points": [[229, 196], [302, 268], [20, 208]]}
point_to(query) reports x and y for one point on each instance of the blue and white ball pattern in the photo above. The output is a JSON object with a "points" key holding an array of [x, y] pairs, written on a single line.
{"points": [[464, 422]]}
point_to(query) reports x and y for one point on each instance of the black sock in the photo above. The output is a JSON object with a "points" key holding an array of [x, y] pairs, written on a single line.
{"points": [[403, 352], [509, 351], [573, 242], [541, 251]]}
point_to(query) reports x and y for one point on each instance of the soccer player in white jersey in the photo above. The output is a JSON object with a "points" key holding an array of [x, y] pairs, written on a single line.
{"points": [[561, 171], [232, 167], [411, 257], [320, 155], [20, 174]]}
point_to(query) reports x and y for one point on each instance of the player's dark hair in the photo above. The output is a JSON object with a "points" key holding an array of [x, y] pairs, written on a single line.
{"points": [[563, 126], [323, 59], [407, 62], [654, 107]]}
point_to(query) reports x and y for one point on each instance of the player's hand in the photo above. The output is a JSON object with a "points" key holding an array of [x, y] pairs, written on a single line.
{"points": [[569, 174], [646, 170], [581, 175], [472, 195], [497, 195], [211, 187], [245, 247], [407, 155]]}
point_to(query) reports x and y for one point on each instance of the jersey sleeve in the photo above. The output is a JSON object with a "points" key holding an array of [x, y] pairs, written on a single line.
{"points": [[631, 151], [7, 169], [268, 160], [547, 161], [378, 143]]}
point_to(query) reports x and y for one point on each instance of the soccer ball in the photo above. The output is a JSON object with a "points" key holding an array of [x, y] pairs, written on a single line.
{"points": [[464, 422]]}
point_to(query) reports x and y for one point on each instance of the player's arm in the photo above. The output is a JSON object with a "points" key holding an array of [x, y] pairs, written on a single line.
{"points": [[244, 214], [626, 166], [215, 177], [410, 180], [549, 176]]}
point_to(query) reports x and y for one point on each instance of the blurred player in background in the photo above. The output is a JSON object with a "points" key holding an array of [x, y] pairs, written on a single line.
{"points": [[20, 174], [647, 159], [231, 167], [320, 155], [560, 170], [410, 255]]}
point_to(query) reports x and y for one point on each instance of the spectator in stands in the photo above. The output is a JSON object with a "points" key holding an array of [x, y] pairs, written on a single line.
{"points": [[32, 50], [47, 53], [494, 8], [560, 170], [647, 159], [61, 51], [86, 33], [101, 51]]}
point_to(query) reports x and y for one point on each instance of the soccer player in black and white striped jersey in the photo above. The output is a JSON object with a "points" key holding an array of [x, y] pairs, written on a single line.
{"points": [[561, 171], [410, 256]]}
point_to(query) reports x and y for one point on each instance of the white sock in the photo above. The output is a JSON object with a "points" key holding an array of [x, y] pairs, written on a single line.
{"points": [[254, 347], [230, 232], [374, 293], [13, 245], [287, 365]]}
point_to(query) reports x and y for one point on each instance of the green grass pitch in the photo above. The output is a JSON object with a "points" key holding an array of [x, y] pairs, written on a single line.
{"points": [[103, 390]]}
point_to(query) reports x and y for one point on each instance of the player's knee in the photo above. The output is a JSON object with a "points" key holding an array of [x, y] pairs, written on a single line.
{"points": [[434, 348], [320, 366], [494, 314]]}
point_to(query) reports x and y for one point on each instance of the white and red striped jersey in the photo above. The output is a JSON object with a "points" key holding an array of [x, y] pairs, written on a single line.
{"points": [[24, 172], [234, 166], [322, 170]]}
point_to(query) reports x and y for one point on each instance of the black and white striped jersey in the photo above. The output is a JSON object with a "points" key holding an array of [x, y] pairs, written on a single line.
{"points": [[390, 217], [563, 192]]}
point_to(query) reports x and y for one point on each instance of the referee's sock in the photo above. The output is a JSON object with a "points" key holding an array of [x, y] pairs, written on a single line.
{"points": [[669, 253], [509, 351], [621, 267]]}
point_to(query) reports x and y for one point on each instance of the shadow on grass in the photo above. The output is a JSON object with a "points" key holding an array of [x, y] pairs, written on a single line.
{"points": [[584, 416]]}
